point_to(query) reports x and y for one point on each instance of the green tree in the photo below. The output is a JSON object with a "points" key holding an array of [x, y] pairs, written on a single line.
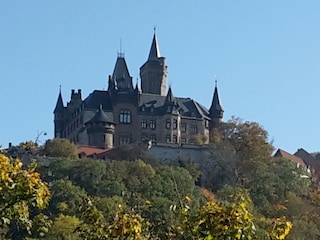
{"points": [[66, 198], [60, 147], [64, 228]]}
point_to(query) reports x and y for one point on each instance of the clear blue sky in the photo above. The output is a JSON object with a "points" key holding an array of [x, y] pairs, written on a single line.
{"points": [[265, 55]]}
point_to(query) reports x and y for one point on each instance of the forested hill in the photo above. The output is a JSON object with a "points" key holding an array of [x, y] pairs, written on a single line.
{"points": [[249, 195]]}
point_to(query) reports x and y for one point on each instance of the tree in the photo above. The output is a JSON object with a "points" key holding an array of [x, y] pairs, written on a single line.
{"points": [[66, 197], [64, 227], [60, 147], [19, 190], [124, 225]]}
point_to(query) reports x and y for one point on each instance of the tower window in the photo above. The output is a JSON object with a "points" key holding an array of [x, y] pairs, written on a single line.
{"points": [[125, 116], [168, 124], [153, 124]]}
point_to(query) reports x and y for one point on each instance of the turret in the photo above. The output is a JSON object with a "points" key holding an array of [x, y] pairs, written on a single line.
{"points": [[100, 129], [216, 110], [153, 72], [59, 116]]}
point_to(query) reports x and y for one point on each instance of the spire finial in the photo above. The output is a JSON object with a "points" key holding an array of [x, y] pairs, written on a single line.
{"points": [[215, 80], [120, 54], [60, 88], [154, 29]]}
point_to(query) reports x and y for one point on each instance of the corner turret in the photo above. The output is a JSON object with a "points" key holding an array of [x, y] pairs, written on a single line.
{"points": [[100, 129]]}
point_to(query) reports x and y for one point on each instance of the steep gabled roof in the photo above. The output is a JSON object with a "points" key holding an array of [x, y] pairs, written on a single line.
{"points": [[154, 50], [120, 69], [309, 160], [293, 158]]}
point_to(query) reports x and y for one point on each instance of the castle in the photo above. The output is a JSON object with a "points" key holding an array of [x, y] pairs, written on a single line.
{"points": [[124, 113]]}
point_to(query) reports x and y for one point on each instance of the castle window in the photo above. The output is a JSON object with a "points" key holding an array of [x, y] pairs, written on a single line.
{"points": [[168, 124], [124, 140], [174, 124], [168, 138], [144, 123], [183, 127], [125, 116], [175, 139], [183, 141], [194, 129], [153, 124]]}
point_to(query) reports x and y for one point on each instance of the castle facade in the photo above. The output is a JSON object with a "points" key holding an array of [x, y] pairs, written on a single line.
{"points": [[124, 113]]}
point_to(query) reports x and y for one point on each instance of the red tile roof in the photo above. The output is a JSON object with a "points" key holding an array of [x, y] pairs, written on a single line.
{"points": [[293, 158], [89, 150]]}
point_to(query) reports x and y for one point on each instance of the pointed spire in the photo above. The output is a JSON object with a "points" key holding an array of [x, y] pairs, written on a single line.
{"points": [[170, 98], [216, 110], [154, 50], [59, 106]]}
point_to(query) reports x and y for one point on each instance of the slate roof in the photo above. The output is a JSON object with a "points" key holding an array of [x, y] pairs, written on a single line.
{"points": [[59, 106], [293, 158], [154, 50], [216, 108], [188, 106], [308, 158], [96, 98], [101, 116]]}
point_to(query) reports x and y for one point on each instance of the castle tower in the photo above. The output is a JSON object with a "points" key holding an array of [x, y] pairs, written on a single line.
{"points": [[59, 116], [100, 129], [216, 110], [153, 72]]}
